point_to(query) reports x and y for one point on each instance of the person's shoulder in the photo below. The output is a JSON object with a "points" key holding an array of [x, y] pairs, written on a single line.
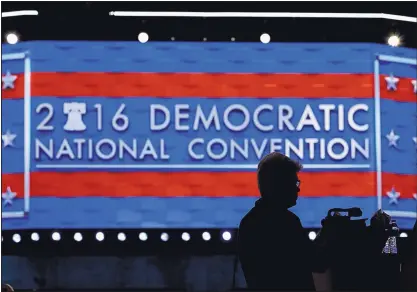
{"points": [[291, 217], [251, 221], [247, 219]]}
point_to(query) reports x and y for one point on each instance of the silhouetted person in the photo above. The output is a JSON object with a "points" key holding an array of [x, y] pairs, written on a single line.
{"points": [[274, 250]]}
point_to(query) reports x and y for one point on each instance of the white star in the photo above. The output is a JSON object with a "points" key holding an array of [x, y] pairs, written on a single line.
{"points": [[8, 197], [415, 140], [391, 82], [415, 196], [414, 83], [392, 139], [8, 80], [8, 138], [393, 196]]}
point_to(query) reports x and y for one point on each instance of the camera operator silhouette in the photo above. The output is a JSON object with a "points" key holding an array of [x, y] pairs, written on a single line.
{"points": [[276, 253], [274, 249]]}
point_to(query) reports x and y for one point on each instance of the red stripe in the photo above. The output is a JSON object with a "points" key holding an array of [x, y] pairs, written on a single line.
{"points": [[404, 92], [195, 85], [199, 184], [207, 85]]}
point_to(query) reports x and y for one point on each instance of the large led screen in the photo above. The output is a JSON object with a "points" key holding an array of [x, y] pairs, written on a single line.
{"points": [[131, 135]]}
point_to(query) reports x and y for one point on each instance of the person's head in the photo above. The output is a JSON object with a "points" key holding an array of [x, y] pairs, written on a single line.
{"points": [[278, 179]]}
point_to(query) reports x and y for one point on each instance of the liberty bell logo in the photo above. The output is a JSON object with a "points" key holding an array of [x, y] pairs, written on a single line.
{"points": [[75, 112]]}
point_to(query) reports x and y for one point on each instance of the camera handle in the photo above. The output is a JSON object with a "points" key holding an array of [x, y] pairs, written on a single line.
{"points": [[352, 212]]}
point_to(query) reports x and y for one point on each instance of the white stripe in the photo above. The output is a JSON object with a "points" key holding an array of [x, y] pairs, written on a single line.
{"points": [[17, 214], [402, 214], [395, 59], [190, 166], [262, 15], [27, 133], [378, 143], [19, 13], [15, 56]]}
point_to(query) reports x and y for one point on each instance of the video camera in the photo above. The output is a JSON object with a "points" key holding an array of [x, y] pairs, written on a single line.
{"points": [[338, 225]]}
